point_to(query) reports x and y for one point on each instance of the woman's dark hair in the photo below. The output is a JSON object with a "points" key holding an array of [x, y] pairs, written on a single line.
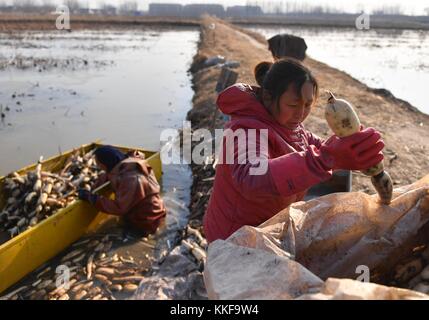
{"points": [[109, 156], [275, 78]]}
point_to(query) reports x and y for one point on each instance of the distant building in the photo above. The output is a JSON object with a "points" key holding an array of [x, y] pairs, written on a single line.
{"points": [[108, 10], [244, 11], [197, 10], [5, 9], [165, 9], [82, 11], [95, 11], [130, 13], [21, 7], [137, 13]]}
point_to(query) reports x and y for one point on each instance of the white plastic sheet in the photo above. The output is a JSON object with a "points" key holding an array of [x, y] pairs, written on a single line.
{"points": [[300, 251]]}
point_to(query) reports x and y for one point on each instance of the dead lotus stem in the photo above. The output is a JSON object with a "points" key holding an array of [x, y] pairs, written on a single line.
{"points": [[79, 258], [72, 254], [45, 271], [11, 294], [81, 242]]}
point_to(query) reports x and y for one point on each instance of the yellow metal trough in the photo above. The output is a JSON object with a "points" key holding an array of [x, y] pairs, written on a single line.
{"points": [[30, 249]]}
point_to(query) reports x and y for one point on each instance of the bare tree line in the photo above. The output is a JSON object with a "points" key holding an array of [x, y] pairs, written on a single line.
{"points": [[73, 5], [294, 7], [273, 7]]}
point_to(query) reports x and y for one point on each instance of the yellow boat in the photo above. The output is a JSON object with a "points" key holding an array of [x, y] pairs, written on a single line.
{"points": [[30, 249]]}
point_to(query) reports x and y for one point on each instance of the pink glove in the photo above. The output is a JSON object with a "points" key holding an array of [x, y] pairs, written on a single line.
{"points": [[360, 151]]}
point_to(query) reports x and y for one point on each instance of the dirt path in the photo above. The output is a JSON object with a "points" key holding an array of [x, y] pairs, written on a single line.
{"points": [[405, 130], [252, 41]]}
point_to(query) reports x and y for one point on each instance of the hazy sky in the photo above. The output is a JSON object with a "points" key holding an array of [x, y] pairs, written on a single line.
{"points": [[408, 7]]}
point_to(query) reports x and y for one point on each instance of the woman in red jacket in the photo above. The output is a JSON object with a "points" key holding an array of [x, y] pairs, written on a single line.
{"points": [[136, 189], [296, 158]]}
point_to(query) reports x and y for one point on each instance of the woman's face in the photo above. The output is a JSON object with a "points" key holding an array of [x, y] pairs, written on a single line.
{"points": [[292, 109], [100, 165]]}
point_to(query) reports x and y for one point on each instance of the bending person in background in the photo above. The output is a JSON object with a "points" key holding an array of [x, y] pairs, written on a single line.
{"points": [[136, 189]]}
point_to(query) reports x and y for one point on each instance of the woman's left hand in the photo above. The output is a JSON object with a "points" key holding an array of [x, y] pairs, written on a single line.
{"points": [[86, 195]]}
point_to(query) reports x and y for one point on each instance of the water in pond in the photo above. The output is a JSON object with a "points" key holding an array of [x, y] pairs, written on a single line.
{"points": [[397, 60]]}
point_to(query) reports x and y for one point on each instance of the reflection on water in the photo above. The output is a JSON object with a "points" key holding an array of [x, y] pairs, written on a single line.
{"points": [[397, 60], [62, 90]]}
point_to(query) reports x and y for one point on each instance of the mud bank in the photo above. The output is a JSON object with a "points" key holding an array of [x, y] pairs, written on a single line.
{"points": [[16, 22], [340, 21], [405, 130]]}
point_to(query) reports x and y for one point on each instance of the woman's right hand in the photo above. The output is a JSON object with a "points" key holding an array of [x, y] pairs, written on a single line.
{"points": [[359, 151]]}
